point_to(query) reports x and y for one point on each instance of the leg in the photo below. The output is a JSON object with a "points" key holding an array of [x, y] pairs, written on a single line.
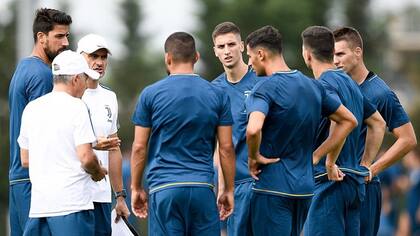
{"points": [[271, 215], [102, 214], [326, 213], [19, 204], [37, 227], [202, 215], [80, 223], [300, 212], [370, 212], [239, 222]]}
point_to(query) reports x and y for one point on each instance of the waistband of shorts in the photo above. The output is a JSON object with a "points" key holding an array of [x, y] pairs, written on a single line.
{"points": [[19, 181], [180, 184]]}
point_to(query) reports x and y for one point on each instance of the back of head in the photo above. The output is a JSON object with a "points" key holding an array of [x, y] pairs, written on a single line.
{"points": [[320, 40], [181, 46], [267, 37], [225, 28], [350, 35], [46, 19]]}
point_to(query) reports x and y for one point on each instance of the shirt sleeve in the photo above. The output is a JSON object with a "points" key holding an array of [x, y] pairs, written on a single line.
{"points": [[393, 112], [368, 108], [225, 116], [259, 100], [83, 132], [330, 90], [37, 86], [23, 139], [330, 103], [115, 124], [142, 115]]}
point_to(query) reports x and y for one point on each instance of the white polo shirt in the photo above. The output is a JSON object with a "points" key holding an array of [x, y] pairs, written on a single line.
{"points": [[103, 109], [52, 126]]}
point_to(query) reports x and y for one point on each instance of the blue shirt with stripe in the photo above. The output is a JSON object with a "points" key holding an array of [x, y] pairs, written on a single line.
{"points": [[237, 93], [387, 104], [32, 79], [339, 85], [183, 112], [294, 105]]}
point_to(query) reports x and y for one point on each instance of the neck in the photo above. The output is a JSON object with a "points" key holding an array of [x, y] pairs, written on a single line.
{"points": [[235, 74], [92, 84], [320, 67], [276, 64], [181, 68], [61, 87], [359, 73], [39, 52]]}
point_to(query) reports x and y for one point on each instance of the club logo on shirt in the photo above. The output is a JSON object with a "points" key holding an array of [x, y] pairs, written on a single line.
{"points": [[247, 93], [109, 113]]}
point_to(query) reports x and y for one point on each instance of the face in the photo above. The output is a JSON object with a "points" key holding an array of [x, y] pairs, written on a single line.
{"points": [[56, 41], [345, 57], [97, 60], [255, 60], [228, 48]]}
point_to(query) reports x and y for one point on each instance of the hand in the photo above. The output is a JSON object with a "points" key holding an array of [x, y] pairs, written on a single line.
{"points": [[225, 203], [334, 173], [139, 203], [121, 209], [99, 175], [254, 164], [370, 176], [107, 144]]}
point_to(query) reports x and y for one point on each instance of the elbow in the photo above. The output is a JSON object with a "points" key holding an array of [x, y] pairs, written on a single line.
{"points": [[252, 132], [353, 122], [226, 147], [412, 142], [25, 163]]}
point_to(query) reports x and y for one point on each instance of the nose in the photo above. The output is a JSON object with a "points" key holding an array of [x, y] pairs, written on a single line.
{"points": [[336, 61], [65, 42]]}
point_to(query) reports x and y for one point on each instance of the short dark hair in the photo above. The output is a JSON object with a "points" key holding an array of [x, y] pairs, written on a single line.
{"points": [[350, 35], [181, 46], [320, 40], [225, 28], [267, 37], [46, 19]]}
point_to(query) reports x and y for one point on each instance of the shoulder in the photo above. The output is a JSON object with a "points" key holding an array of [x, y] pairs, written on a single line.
{"points": [[218, 81]]}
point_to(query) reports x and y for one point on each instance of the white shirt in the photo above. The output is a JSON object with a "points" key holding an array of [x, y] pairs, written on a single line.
{"points": [[103, 109], [52, 126]]}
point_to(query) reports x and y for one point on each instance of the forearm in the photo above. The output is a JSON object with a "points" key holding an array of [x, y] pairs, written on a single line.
{"points": [[334, 142], [115, 170], [138, 162], [397, 151], [91, 164], [253, 141], [227, 166], [220, 177], [374, 138]]}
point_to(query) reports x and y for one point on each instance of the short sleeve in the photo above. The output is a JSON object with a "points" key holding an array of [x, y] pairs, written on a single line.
{"points": [[142, 115], [368, 108], [225, 115], [259, 100], [330, 90], [393, 112], [23, 139], [330, 103], [115, 124], [83, 132]]}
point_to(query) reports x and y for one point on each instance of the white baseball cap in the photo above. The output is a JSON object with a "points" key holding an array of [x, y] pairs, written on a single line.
{"points": [[72, 63], [91, 43]]}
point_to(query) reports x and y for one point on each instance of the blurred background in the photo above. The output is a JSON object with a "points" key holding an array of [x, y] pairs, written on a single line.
{"points": [[136, 31]]}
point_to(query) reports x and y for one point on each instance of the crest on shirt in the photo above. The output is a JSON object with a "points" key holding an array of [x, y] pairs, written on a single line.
{"points": [[108, 113], [247, 93]]}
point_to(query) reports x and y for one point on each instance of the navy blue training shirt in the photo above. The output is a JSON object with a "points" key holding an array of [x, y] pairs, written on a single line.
{"points": [[32, 79], [237, 93], [386, 102], [339, 85], [294, 105], [183, 112]]}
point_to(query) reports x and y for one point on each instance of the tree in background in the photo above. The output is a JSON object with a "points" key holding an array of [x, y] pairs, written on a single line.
{"points": [[7, 67]]}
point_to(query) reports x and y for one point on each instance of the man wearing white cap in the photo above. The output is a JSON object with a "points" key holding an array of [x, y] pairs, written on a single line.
{"points": [[56, 139], [103, 107]]}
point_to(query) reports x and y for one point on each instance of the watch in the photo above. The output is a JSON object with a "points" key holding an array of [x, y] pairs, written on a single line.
{"points": [[121, 193]]}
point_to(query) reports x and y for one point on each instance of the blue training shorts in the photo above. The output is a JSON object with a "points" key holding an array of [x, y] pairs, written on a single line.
{"points": [[19, 204]]}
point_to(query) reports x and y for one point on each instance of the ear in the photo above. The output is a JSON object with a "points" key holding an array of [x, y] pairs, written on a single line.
{"points": [[214, 50], [197, 56], [168, 59], [41, 37], [242, 46], [358, 52], [261, 54]]}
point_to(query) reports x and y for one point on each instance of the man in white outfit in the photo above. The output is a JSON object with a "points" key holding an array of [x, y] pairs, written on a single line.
{"points": [[103, 109], [56, 140]]}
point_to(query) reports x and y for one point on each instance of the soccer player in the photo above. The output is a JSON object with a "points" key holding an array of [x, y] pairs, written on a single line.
{"points": [[237, 82], [56, 139], [335, 207], [284, 112], [183, 114], [103, 109], [349, 57], [32, 79]]}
